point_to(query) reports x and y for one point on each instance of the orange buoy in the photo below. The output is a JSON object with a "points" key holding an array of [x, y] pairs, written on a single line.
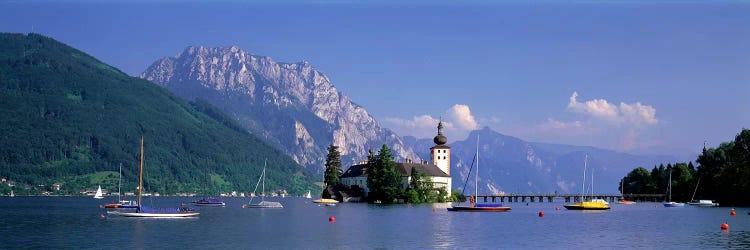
{"points": [[725, 226], [541, 214], [332, 219]]}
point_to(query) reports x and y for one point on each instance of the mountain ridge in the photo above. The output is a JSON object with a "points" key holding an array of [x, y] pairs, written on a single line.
{"points": [[293, 105], [509, 164], [68, 116]]}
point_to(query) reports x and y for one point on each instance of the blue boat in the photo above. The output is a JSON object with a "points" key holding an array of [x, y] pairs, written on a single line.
{"points": [[209, 202]]}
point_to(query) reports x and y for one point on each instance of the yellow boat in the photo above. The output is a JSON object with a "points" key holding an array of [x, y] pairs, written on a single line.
{"points": [[593, 204], [326, 201], [587, 205]]}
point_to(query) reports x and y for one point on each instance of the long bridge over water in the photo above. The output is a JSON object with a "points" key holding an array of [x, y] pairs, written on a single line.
{"points": [[566, 197]]}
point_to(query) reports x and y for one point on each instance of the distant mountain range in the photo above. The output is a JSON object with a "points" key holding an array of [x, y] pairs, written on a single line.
{"points": [[290, 105], [68, 118], [511, 165], [296, 108]]}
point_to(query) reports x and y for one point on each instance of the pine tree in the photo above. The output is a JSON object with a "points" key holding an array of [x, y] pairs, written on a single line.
{"points": [[384, 180], [333, 166]]}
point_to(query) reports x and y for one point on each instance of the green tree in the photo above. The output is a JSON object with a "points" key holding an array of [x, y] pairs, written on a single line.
{"points": [[638, 181], [723, 174], [420, 188], [333, 166], [384, 180]]}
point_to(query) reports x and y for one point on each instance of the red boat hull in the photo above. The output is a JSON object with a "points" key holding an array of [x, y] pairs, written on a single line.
{"points": [[479, 209]]}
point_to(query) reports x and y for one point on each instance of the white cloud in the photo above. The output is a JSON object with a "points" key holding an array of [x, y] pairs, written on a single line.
{"points": [[634, 114], [422, 126], [601, 123], [460, 115], [457, 122]]}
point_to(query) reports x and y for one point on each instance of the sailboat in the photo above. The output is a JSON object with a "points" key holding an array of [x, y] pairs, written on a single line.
{"points": [[12, 194], [701, 203], [473, 206], [142, 211], [263, 203], [593, 204], [308, 195], [669, 202], [120, 202], [99, 194]]}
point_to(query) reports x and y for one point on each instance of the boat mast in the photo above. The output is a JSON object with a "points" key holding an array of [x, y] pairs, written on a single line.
{"points": [[119, 186], [592, 183], [140, 175], [696, 188], [669, 186], [263, 176], [583, 188], [476, 175]]}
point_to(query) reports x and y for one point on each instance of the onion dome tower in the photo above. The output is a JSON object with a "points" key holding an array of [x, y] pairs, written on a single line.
{"points": [[441, 153]]}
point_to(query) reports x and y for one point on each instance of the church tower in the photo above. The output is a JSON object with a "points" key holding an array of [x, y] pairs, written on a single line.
{"points": [[441, 153]]}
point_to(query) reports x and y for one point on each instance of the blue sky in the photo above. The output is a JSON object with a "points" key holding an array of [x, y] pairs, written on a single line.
{"points": [[657, 78]]}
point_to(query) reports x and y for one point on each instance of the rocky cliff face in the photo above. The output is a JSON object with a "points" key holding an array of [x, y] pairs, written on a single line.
{"points": [[291, 105]]}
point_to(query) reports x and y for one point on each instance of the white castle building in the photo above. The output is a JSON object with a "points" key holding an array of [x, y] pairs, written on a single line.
{"points": [[439, 171]]}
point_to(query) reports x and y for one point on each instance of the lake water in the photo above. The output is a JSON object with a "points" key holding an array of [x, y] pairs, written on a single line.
{"points": [[75, 222]]}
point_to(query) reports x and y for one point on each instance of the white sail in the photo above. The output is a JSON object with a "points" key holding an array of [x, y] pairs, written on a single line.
{"points": [[99, 194]]}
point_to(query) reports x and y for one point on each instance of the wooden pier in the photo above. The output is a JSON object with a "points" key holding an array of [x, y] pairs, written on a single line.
{"points": [[569, 197]]}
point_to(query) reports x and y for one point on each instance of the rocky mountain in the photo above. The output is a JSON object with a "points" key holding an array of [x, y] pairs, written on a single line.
{"points": [[291, 105], [511, 165]]}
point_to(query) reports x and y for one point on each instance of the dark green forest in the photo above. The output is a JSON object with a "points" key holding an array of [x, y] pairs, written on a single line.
{"points": [[68, 118], [723, 174]]}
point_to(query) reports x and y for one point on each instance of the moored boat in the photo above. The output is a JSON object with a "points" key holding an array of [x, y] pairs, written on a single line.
{"points": [[263, 203], [674, 204], [325, 201], [209, 202], [669, 202], [704, 203], [488, 207], [587, 205], [122, 204], [625, 201], [592, 204], [142, 211], [473, 206]]}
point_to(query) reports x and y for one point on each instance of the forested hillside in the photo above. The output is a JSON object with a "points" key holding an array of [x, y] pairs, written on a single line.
{"points": [[68, 118]]}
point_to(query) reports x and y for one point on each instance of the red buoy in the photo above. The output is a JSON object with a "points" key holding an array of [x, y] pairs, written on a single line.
{"points": [[100, 206], [725, 226], [541, 214], [332, 219], [102, 216], [243, 206], [557, 208], [732, 213]]}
